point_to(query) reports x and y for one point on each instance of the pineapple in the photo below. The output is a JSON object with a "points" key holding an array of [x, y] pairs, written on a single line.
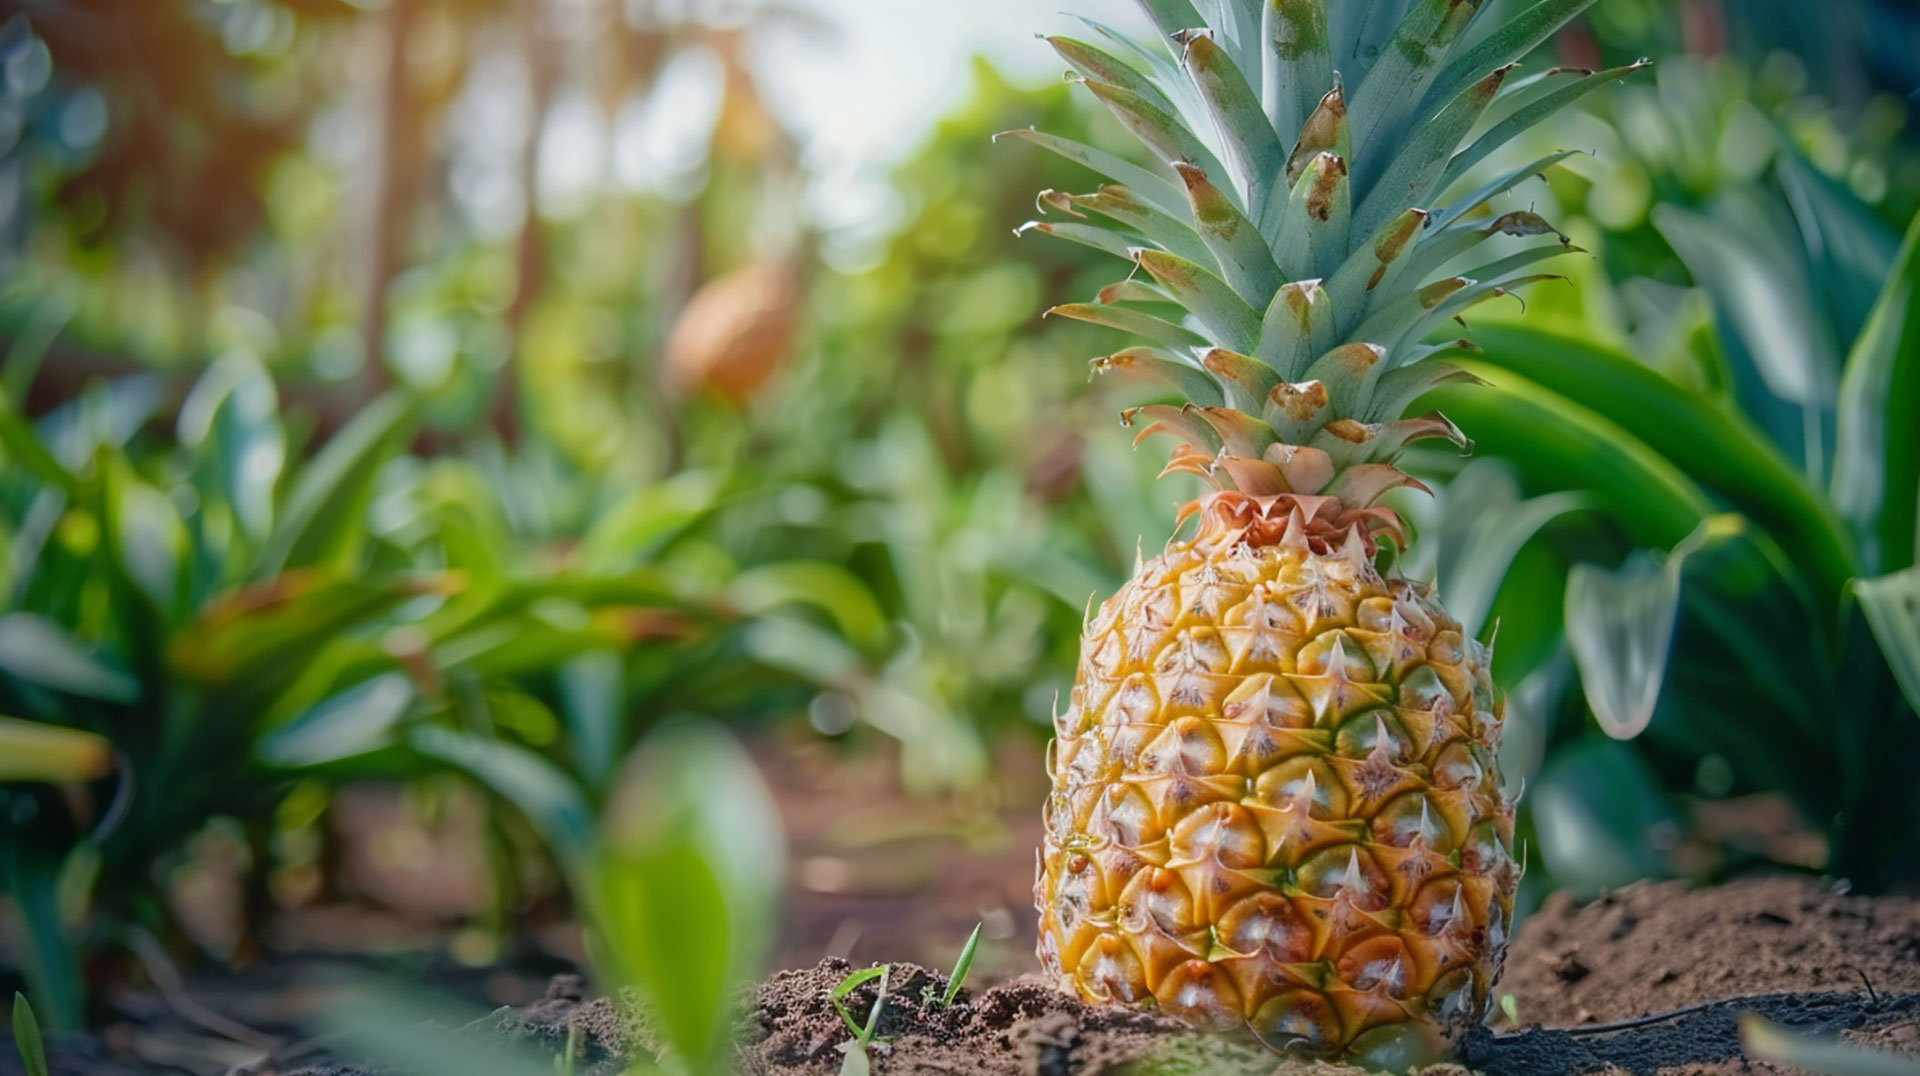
{"points": [[1275, 802]]}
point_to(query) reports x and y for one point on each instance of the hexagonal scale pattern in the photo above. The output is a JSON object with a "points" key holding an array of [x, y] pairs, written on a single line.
{"points": [[1275, 804]]}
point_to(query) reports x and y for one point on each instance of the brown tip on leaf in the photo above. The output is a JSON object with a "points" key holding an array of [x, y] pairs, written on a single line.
{"points": [[1060, 200], [1347, 429], [1299, 401], [1432, 294]]}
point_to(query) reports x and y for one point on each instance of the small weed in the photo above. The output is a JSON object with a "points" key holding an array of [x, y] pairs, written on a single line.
{"points": [[1510, 1009], [857, 1062], [959, 976], [563, 1065], [26, 1037]]}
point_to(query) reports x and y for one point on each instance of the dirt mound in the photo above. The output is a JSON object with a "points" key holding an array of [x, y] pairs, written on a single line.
{"points": [[1658, 946]]}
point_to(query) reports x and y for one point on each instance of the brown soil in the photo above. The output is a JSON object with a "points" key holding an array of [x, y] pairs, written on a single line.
{"points": [[1692, 960]]}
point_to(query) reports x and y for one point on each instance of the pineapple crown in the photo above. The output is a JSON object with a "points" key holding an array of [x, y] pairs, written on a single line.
{"points": [[1288, 293]]}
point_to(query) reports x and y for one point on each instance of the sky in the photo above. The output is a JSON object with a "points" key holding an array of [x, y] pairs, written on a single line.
{"points": [[863, 95]]}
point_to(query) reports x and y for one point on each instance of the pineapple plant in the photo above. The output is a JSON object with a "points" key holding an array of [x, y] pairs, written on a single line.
{"points": [[1275, 802]]}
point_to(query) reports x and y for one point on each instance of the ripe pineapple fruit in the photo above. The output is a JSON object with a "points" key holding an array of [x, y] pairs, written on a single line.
{"points": [[1275, 802]]}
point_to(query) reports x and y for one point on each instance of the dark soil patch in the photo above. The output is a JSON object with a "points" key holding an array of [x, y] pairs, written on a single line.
{"points": [[1658, 946]]}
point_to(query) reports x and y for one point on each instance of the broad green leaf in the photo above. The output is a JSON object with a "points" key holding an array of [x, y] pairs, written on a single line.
{"points": [[145, 533], [594, 710], [1714, 445], [39, 651], [1238, 248], [32, 751], [1762, 289], [323, 520], [1620, 626], [260, 636], [232, 417], [26, 1037], [1876, 472], [356, 721], [413, 1031], [21, 447], [1597, 807], [549, 799], [830, 588], [648, 519], [1828, 1055], [1555, 443], [1892, 606], [686, 883]]}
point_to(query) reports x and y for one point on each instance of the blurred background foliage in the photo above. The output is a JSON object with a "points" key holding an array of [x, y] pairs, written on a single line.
{"points": [[466, 387]]}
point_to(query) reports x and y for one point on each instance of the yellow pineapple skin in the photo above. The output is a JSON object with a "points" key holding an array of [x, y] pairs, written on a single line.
{"points": [[1275, 803]]}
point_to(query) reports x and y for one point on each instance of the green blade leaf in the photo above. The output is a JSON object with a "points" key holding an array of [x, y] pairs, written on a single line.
{"points": [[1824, 1054], [1098, 65], [1892, 607], [38, 650], [1496, 186], [32, 751], [540, 790], [1233, 323], [1296, 61], [1414, 175], [1253, 150], [1510, 43], [1154, 189], [1529, 116], [1131, 321], [323, 520], [1310, 229], [1174, 234], [1620, 627], [26, 1037], [1384, 101], [1713, 445], [1166, 367], [1166, 137], [1876, 473], [1555, 443], [357, 721], [1237, 245], [1118, 244]]}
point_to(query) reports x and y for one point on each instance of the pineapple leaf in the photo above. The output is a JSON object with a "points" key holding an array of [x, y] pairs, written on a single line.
{"points": [[1238, 24], [1892, 607], [1135, 290], [1497, 186], [1296, 62], [1169, 139], [1348, 372], [1453, 242], [1298, 325], [1225, 314], [1530, 115], [1253, 150], [1158, 364], [1383, 102], [1399, 387], [1091, 235], [1358, 31], [1475, 293], [1236, 243], [1131, 321], [1145, 184], [1245, 381], [1310, 229], [1412, 176], [1297, 411], [1171, 233], [1510, 43], [1171, 16], [1097, 65], [1374, 264]]}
